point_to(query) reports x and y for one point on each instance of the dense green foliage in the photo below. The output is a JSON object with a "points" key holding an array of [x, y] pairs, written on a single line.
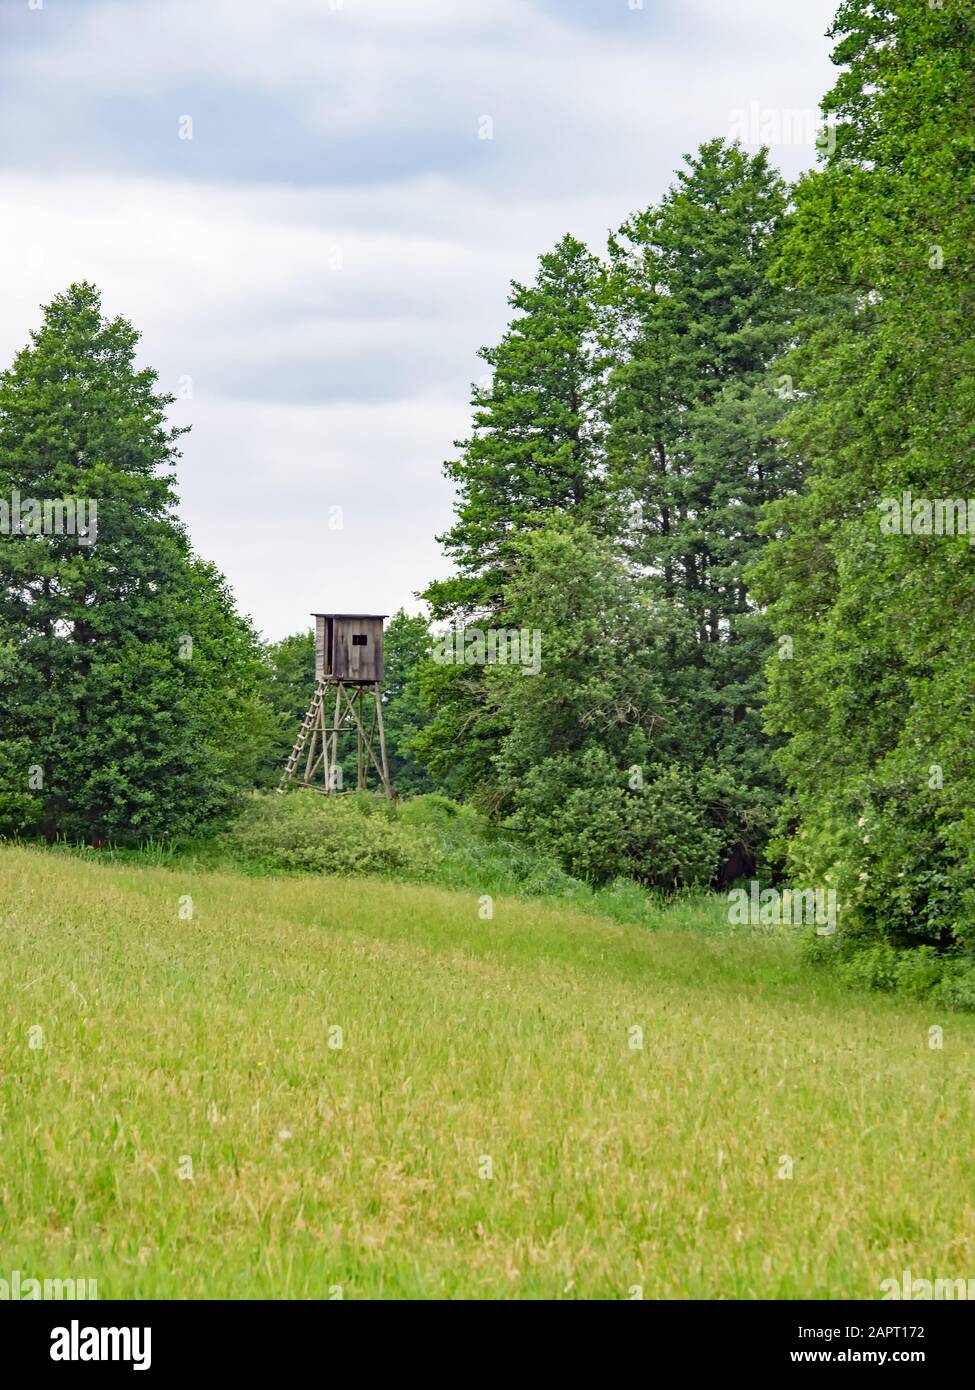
{"points": [[325, 835], [693, 329], [676, 498], [534, 451], [598, 761], [128, 701], [287, 686], [406, 649], [875, 698], [631, 426]]}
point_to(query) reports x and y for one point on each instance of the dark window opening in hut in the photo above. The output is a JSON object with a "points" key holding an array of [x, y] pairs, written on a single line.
{"points": [[359, 639]]}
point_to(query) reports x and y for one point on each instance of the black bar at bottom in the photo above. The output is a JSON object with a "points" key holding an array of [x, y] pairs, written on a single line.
{"points": [[67, 1339]]}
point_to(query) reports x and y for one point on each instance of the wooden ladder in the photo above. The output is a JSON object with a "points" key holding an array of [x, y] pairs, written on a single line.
{"points": [[312, 718]]}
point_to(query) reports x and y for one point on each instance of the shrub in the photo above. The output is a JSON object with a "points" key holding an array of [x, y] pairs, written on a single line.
{"points": [[957, 988], [19, 814], [918, 971], [20, 810], [581, 809], [305, 832], [922, 973], [873, 967]]}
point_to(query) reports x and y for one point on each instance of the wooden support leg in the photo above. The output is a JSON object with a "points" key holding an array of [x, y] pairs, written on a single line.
{"points": [[331, 763], [323, 740], [360, 747], [387, 785]]}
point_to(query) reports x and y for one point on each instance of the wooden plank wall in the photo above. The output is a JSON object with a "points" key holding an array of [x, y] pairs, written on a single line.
{"points": [[358, 663]]}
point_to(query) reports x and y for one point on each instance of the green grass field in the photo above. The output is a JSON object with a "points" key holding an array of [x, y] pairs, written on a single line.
{"points": [[178, 1120]]}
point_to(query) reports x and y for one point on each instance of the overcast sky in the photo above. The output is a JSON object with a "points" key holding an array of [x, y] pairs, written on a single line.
{"points": [[314, 270]]}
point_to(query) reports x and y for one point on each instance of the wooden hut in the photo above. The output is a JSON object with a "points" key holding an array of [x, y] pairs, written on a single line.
{"points": [[349, 647]]}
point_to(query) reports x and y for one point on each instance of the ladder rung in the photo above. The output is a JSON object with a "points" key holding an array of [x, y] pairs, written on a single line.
{"points": [[309, 723]]}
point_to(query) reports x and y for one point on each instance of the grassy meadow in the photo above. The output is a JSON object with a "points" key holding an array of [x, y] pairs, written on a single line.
{"points": [[334, 1087]]}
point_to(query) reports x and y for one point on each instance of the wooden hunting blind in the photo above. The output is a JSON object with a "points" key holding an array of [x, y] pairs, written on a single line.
{"points": [[349, 646], [348, 688]]}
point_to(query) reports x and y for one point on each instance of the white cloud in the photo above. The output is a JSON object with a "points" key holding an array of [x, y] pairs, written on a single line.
{"points": [[352, 131], [330, 507]]}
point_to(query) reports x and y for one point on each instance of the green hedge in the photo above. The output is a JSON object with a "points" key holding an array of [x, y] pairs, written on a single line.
{"points": [[328, 835]]}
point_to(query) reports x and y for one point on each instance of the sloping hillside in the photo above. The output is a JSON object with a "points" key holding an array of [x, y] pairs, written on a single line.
{"points": [[325, 1087]]}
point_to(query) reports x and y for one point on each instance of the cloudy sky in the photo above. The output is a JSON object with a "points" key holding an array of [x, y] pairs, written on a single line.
{"points": [[314, 269]]}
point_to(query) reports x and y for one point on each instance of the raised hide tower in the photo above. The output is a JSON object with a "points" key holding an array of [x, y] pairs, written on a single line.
{"points": [[349, 647], [346, 710]]}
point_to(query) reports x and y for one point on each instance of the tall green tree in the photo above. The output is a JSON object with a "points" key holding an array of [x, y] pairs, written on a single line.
{"points": [[128, 702], [535, 449], [535, 443], [876, 698], [693, 327], [694, 323]]}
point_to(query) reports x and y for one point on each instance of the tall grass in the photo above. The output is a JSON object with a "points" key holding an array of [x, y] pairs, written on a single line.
{"points": [[445, 843], [323, 1087]]}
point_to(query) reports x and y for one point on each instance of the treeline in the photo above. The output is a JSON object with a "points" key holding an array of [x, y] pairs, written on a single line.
{"points": [[135, 703], [677, 476], [609, 497], [683, 473]]}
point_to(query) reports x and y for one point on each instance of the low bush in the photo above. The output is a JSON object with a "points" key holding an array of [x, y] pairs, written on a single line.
{"points": [[872, 967], [425, 839], [304, 832], [581, 809], [957, 987], [918, 971], [921, 973]]}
